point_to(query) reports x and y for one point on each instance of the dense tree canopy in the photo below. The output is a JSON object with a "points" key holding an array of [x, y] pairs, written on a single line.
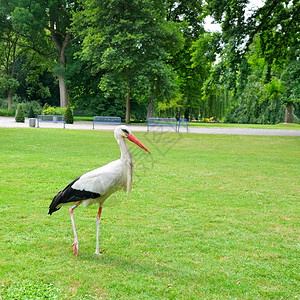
{"points": [[144, 58]]}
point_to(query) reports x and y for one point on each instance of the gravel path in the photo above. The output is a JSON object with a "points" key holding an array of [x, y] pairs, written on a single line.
{"points": [[9, 122]]}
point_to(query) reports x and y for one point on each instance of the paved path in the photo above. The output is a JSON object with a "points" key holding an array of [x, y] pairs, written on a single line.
{"points": [[9, 122]]}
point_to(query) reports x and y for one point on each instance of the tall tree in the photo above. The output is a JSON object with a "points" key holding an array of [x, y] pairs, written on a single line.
{"points": [[9, 52], [189, 15], [45, 25], [291, 78], [129, 41], [275, 26], [214, 98]]}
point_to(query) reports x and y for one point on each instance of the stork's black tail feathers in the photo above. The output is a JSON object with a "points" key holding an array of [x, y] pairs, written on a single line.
{"points": [[69, 195]]}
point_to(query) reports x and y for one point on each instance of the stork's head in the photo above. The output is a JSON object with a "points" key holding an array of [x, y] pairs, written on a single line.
{"points": [[123, 131]]}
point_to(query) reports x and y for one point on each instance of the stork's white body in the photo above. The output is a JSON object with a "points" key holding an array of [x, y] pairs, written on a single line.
{"points": [[106, 180], [97, 185]]}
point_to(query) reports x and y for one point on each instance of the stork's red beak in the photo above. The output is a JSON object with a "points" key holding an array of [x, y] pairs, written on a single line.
{"points": [[135, 140]]}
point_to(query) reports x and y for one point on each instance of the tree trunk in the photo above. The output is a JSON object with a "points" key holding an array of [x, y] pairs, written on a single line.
{"points": [[9, 95], [177, 113], [128, 106], [288, 114], [187, 113], [61, 47], [150, 109], [63, 91]]}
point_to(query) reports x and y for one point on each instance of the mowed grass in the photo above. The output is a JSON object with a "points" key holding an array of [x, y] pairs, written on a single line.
{"points": [[209, 217]]}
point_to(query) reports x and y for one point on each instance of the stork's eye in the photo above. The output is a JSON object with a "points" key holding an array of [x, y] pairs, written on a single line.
{"points": [[125, 131]]}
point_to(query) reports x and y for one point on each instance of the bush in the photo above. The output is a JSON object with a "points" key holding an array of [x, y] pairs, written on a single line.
{"points": [[27, 106], [20, 117], [46, 105], [69, 115], [31, 113], [14, 104], [7, 112], [34, 105], [51, 110]]}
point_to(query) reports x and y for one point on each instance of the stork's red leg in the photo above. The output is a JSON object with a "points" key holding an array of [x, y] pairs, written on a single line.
{"points": [[98, 229], [75, 244]]}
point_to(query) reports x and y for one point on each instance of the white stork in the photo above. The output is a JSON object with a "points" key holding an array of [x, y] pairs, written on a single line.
{"points": [[97, 185]]}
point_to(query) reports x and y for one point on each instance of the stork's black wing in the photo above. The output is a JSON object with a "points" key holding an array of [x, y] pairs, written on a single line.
{"points": [[70, 195]]}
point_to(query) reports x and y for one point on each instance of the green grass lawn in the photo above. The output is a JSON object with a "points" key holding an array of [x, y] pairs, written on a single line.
{"points": [[209, 217]]}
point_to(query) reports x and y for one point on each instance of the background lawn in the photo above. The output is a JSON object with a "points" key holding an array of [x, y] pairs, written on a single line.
{"points": [[210, 216]]}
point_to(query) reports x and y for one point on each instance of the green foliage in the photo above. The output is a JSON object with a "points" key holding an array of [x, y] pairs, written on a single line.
{"points": [[31, 113], [260, 113], [28, 22], [8, 82], [69, 115], [20, 117], [276, 24], [37, 85], [291, 78], [7, 112], [156, 50], [46, 106], [274, 89], [3, 108], [37, 22], [34, 105], [258, 103], [136, 64], [50, 110], [260, 49]]}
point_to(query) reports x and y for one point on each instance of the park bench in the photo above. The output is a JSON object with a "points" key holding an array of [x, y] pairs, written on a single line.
{"points": [[172, 122], [183, 120], [106, 120], [51, 119]]}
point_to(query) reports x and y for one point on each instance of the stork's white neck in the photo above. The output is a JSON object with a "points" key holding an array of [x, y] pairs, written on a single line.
{"points": [[126, 157], [125, 152]]}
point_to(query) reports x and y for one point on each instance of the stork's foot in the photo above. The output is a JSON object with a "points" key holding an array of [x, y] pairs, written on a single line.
{"points": [[98, 252], [75, 247]]}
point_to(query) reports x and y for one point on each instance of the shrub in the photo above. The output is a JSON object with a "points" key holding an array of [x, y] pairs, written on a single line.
{"points": [[7, 112], [34, 105], [14, 104], [51, 110], [69, 115], [46, 105], [31, 113], [20, 114]]}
